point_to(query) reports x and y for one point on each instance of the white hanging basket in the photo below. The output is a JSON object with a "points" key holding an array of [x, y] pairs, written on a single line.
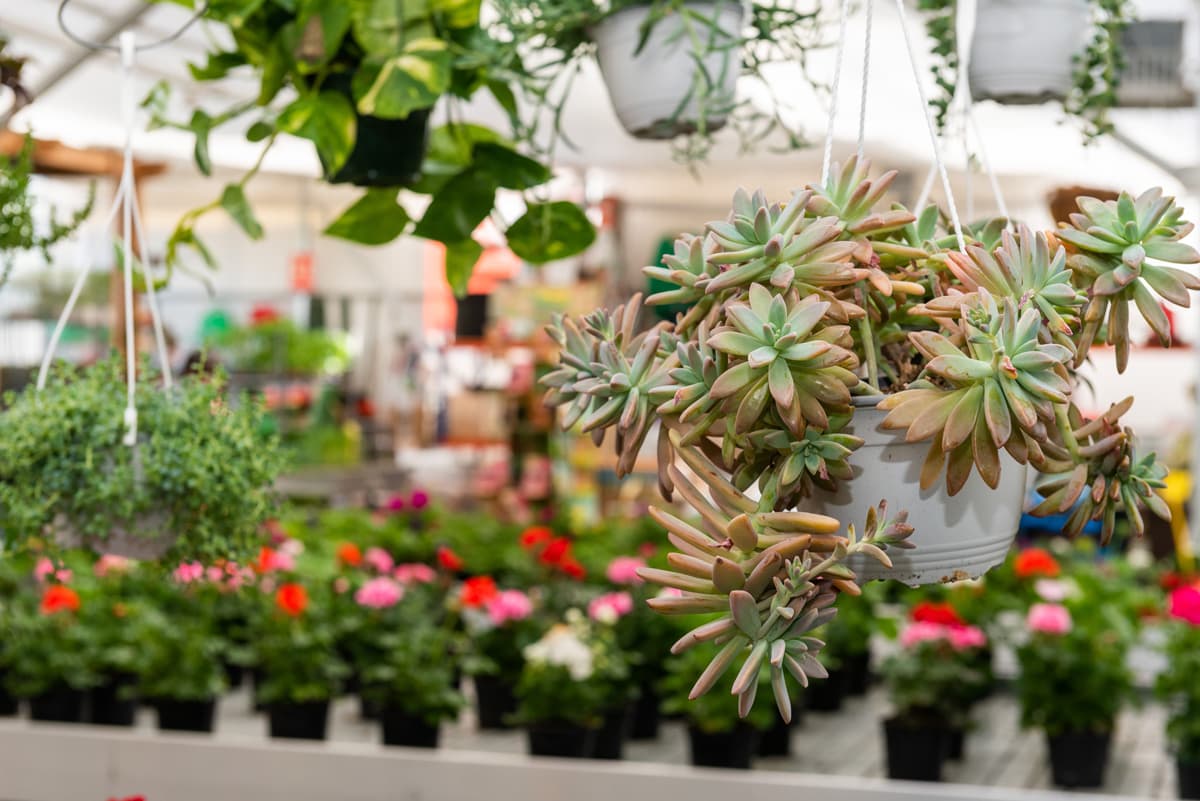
{"points": [[653, 90], [956, 537], [1022, 51]]}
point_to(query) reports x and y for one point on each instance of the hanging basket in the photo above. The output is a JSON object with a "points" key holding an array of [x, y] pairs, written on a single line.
{"points": [[654, 89], [1023, 51], [386, 152], [956, 537], [146, 538]]}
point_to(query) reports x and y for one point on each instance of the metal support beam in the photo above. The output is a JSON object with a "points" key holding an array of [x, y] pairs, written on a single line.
{"points": [[80, 56]]}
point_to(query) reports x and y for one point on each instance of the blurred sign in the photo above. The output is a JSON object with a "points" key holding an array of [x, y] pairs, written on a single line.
{"points": [[302, 271]]}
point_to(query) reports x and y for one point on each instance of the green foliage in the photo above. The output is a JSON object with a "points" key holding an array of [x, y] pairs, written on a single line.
{"points": [[17, 232], [182, 651], [415, 670], [281, 346], [378, 60], [297, 655], [933, 684], [1177, 686], [1098, 68], [39, 652], [1073, 682], [553, 686], [200, 470]]}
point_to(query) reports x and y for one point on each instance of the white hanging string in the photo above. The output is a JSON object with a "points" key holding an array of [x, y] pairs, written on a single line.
{"points": [[933, 137], [827, 158], [866, 77], [125, 202]]}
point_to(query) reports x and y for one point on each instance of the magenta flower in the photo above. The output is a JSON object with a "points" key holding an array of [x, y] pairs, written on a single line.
{"points": [[1049, 619], [414, 573], [624, 570], [188, 572], [509, 605], [395, 503], [1185, 605], [419, 499], [965, 638], [108, 563], [379, 593], [610, 607], [379, 559]]}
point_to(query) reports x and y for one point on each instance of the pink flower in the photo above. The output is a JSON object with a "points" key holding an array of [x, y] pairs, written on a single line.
{"points": [[670, 592], [920, 631], [214, 574], [379, 593], [188, 572], [610, 607], [111, 564], [291, 547], [1053, 591], [395, 503], [624, 570], [419, 499], [509, 605], [341, 585], [1185, 604], [379, 559], [965, 638], [45, 568], [1049, 619], [414, 573]]}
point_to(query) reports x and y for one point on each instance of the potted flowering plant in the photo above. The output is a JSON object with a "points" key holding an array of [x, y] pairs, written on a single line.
{"points": [[566, 687], [932, 680], [1072, 684], [47, 654], [108, 604], [819, 329], [719, 734], [413, 678], [607, 611], [500, 626], [1177, 687], [294, 647]]}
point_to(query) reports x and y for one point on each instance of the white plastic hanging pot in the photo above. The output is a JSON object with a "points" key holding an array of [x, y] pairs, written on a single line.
{"points": [[956, 537], [654, 90], [1023, 50]]}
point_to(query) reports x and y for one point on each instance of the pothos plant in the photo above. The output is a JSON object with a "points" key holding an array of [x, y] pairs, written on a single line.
{"points": [[1096, 74], [798, 307], [554, 41], [200, 472], [331, 73]]}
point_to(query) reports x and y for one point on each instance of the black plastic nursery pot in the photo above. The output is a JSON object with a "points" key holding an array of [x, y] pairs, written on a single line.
{"points": [[1188, 773], [386, 152], [558, 738], [299, 721], [724, 749], [827, 695], [1078, 759], [857, 670], [59, 704], [612, 734], [914, 753], [10, 705], [369, 708], [495, 701], [186, 715], [235, 675], [113, 702], [777, 740], [403, 728], [956, 743], [647, 715]]}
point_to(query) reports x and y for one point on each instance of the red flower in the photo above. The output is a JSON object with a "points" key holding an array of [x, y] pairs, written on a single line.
{"points": [[534, 536], [1036, 563], [291, 599], [1172, 581], [349, 554], [448, 559], [570, 566], [58, 598], [556, 551], [263, 314], [477, 591], [130, 798], [942, 614]]}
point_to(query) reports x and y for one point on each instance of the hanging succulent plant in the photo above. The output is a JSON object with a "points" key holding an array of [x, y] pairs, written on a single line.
{"points": [[801, 310]]}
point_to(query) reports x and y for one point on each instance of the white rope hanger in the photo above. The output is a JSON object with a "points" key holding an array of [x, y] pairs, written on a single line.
{"points": [[125, 202]]}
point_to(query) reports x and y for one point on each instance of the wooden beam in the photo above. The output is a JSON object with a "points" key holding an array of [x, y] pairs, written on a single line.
{"points": [[54, 158]]}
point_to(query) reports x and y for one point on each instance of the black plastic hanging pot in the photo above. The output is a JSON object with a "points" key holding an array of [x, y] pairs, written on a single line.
{"points": [[403, 728], [610, 738], [386, 152], [914, 753], [1078, 759], [495, 701], [724, 749], [59, 704], [113, 702], [561, 739], [186, 715], [306, 720]]}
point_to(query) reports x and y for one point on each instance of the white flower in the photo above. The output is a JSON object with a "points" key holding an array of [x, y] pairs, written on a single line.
{"points": [[1140, 558], [560, 646], [1051, 590], [606, 615]]}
